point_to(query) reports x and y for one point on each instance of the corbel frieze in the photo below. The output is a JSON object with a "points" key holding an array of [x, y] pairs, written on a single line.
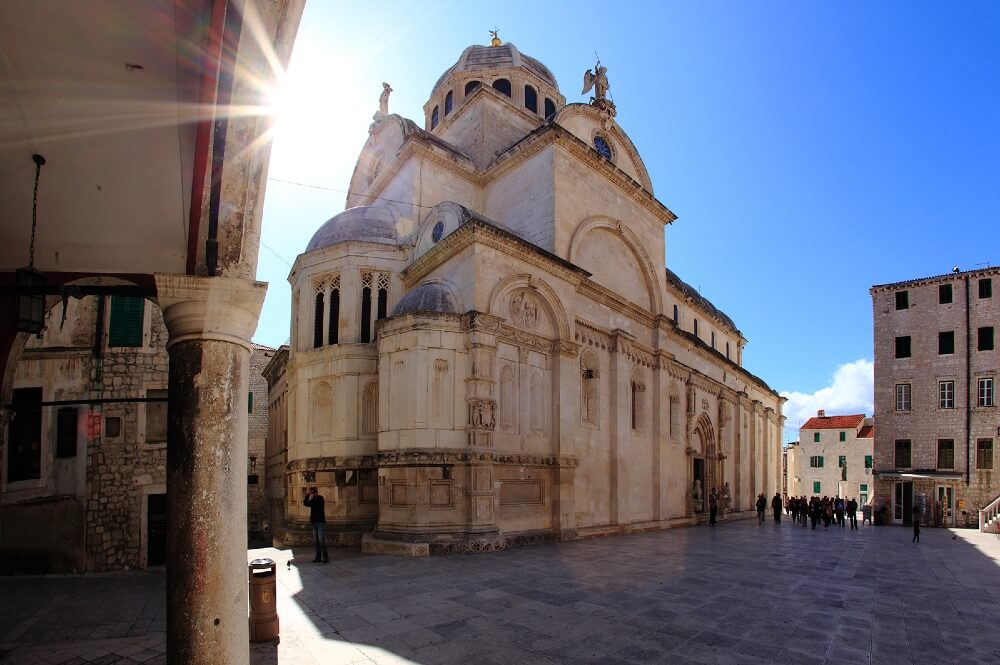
{"points": [[591, 335], [314, 464]]}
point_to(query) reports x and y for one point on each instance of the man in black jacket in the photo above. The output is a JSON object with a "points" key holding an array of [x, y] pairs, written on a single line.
{"points": [[776, 507], [317, 517]]}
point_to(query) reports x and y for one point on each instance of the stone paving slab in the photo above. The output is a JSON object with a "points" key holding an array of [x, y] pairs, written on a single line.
{"points": [[739, 593]]}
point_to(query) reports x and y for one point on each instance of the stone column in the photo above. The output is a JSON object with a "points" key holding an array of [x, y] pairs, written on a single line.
{"points": [[209, 321]]}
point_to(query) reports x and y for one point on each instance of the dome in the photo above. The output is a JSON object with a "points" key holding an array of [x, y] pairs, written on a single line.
{"points": [[429, 297], [363, 223], [479, 58]]}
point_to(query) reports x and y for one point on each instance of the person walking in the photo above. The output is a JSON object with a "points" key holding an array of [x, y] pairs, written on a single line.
{"points": [[776, 506], [793, 508], [838, 509], [713, 506], [761, 507], [317, 518], [916, 525], [852, 512]]}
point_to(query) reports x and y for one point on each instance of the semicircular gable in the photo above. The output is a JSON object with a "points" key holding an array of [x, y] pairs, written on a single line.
{"points": [[585, 122], [529, 303], [385, 139], [442, 220], [614, 256]]}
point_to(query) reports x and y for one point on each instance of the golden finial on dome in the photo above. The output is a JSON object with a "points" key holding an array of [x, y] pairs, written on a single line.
{"points": [[496, 40]]}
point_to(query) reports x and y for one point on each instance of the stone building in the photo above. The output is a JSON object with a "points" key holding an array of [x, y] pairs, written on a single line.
{"points": [[258, 521], [486, 347], [88, 441], [833, 457], [276, 446], [936, 366]]}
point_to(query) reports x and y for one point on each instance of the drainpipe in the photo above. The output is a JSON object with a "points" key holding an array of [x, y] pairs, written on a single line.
{"points": [[968, 389]]}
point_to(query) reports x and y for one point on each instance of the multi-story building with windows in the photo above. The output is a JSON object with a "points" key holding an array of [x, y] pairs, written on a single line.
{"points": [[833, 457], [936, 367], [84, 484]]}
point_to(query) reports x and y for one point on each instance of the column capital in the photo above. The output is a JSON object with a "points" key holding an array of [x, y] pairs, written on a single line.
{"points": [[223, 309]]}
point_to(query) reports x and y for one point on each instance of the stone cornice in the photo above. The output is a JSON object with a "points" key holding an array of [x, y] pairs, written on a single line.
{"points": [[436, 457], [331, 463], [489, 235], [592, 335], [605, 296]]}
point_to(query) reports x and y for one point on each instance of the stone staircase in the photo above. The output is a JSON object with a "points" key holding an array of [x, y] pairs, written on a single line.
{"points": [[989, 517]]}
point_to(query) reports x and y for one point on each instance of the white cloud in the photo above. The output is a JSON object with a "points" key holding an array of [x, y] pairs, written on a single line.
{"points": [[852, 390]]}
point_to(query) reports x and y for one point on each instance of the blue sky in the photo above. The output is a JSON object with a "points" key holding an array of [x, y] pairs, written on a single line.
{"points": [[810, 150]]}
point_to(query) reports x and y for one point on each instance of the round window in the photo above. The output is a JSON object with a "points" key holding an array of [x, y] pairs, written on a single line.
{"points": [[437, 232], [602, 147]]}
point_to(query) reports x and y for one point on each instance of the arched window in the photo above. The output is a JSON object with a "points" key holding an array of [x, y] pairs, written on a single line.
{"points": [[696, 327], [590, 390], [369, 409], [383, 296], [334, 326], [550, 108], [366, 308], [502, 86], [530, 99], [434, 118], [471, 86], [638, 402], [675, 314], [449, 101], [318, 321], [508, 399]]}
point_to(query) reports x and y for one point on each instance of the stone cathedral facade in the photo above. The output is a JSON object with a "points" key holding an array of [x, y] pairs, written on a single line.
{"points": [[486, 348]]}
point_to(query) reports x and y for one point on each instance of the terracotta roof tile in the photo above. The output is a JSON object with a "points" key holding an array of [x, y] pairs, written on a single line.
{"points": [[867, 432], [834, 422]]}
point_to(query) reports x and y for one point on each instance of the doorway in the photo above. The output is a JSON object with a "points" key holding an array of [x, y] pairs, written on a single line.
{"points": [[902, 503], [946, 505], [156, 529], [698, 470]]}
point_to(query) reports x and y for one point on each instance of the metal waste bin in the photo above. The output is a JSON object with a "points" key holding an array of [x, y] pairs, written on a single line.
{"points": [[263, 600]]}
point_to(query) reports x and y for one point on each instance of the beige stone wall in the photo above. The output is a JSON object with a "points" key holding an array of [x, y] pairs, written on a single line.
{"points": [[829, 476], [925, 423]]}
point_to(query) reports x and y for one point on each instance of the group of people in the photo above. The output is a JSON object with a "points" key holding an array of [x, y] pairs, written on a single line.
{"points": [[828, 510]]}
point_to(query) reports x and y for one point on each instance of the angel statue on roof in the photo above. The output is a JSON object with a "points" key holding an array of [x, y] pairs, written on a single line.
{"points": [[598, 80]]}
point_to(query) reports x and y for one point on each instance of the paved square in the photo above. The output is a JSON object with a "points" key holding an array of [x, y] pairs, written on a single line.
{"points": [[739, 593]]}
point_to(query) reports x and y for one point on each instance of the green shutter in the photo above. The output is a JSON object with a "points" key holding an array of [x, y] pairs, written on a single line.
{"points": [[821, 461], [816, 437], [843, 436], [816, 487], [126, 321], [864, 487], [868, 461], [842, 461], [250, 402]]}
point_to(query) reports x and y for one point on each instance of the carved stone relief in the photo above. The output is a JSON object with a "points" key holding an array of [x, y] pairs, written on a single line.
{"points": [[482, 414], [524, 309]]}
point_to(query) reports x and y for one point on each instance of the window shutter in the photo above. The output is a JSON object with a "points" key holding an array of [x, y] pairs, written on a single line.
{"points": [[126, 321]]}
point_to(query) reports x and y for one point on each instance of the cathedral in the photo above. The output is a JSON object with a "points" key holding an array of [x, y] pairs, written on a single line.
{"points": [[486, 347]]}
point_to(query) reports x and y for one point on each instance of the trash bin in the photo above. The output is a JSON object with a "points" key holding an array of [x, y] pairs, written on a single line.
{"points": [[263, 600]]}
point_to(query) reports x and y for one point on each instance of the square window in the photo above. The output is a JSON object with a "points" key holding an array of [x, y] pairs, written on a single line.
{"points": [[843, 437], [903, 401], [156, 416], [815, 437], [816, 462], [985, 338], [864, 487], [112, 426], [902, 300], [986, 288], [868, 461], [944, 294], [903, 453], [903, 347], [946, 394], [985, 392], [946, 343], [816, 487], [984, 454], [946, 454]]}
